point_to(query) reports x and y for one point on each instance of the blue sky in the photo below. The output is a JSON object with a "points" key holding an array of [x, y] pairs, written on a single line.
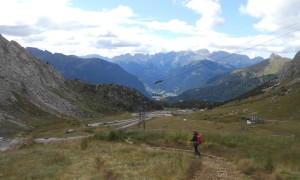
{"points": [[167, 10], [114, 27]]}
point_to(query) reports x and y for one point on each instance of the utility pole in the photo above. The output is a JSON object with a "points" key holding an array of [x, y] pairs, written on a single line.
{"points": [[140, 116], [144, 116]]}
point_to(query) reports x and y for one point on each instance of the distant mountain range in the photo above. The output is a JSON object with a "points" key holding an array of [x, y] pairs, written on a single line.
{"points": [[194, 74], [230, 85], [91, 70], [181, 70]]}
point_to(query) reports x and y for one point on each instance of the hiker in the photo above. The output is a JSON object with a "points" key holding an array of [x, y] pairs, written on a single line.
{"points": [[196, 141]]}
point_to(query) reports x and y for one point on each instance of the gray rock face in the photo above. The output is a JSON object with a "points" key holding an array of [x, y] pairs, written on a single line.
{"points": [[22, 75], [291, 69]]}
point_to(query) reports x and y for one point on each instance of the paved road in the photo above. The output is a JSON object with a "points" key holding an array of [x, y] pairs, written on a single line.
{"points": [[46, 140], [131, 122], [123, 124]]}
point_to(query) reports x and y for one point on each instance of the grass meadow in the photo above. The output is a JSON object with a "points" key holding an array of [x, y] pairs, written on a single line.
{"points": [[262, 151]]}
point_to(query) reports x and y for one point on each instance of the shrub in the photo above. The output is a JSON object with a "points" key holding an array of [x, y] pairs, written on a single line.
{"points": [[116, 135], [247, 166]]}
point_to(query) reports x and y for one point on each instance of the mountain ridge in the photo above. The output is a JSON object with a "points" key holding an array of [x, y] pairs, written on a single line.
{"points": [[92, 70], [151, 68]]}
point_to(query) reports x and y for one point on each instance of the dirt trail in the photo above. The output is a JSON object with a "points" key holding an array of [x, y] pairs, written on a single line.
{"points": [[209, 168], [217, 169]]}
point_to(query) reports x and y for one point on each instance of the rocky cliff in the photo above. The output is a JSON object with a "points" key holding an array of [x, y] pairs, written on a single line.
{"points": [[23, 77], [291, 70]]}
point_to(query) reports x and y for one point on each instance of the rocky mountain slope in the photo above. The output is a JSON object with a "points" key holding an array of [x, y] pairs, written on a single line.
{"points": [[22, 75], [91, 70], [291, 70]]}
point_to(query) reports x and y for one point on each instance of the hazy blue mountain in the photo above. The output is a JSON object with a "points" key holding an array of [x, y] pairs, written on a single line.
{"points": [[183, 69], [148, 68], [233, 84], [95, 56], [92, 70], [237, 60], [194, 75]]}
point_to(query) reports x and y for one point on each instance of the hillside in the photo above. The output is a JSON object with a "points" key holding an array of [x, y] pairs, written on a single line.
{"points": [[233, 84], [279, 99], [91, 70], [33, 91], [109, 98]]}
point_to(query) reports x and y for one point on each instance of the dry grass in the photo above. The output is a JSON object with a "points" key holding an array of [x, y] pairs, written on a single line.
{"points": [[99, 160], [261, 150], [254, 148], [247, 166]]}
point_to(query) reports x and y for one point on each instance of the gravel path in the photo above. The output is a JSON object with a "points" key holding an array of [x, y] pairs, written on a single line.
{"points": [[209, 167], [217, 169]]}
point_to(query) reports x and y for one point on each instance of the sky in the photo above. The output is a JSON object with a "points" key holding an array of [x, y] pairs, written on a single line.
{"points": [[113, 27]]}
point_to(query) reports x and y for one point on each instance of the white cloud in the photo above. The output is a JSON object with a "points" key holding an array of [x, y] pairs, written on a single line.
{"points": [[58, 27], [210, 11], [273, 15], [174, 25], [279, 17]]}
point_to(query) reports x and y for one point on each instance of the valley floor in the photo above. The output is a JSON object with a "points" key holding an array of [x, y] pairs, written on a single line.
{"points": [[101, 153]]}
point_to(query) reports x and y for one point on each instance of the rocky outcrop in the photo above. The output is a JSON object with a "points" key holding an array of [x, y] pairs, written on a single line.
{"points": [[24, 78], [291, 70]]}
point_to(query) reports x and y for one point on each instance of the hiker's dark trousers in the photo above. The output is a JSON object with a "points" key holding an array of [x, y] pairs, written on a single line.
{"points": [[197, 153]]}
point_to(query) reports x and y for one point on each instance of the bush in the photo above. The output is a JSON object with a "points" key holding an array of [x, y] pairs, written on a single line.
{"points": [[247, 166], [116, 135]]}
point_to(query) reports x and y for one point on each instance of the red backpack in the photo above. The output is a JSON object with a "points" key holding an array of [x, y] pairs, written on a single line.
{"points": [[199, 138]]}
